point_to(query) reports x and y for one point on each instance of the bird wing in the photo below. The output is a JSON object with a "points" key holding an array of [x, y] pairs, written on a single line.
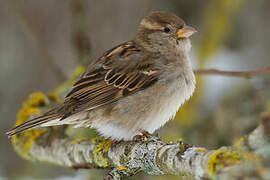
{"points": [[120, 72]]}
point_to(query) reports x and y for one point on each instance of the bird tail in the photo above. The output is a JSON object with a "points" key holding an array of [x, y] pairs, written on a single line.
{"points": [[32, 123]]}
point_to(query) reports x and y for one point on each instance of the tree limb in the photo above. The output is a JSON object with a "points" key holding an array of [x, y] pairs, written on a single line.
{"points": [[243, 74], [126, 158], [150, 155]]}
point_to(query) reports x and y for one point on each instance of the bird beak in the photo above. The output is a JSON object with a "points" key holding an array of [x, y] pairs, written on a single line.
{"points": [[185, 32]]}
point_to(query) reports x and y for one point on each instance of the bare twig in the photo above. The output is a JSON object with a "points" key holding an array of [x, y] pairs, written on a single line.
{"points": [[242, 74]]}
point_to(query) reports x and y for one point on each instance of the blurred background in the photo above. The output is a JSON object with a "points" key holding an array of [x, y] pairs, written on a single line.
{"points": [[42, 42]]}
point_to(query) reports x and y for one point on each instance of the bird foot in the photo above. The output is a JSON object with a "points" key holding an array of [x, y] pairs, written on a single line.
{"points": [[116, 142], [145, 136]]}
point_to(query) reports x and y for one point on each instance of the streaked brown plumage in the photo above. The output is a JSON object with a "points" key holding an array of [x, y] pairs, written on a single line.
{"points": [[116, 94]]}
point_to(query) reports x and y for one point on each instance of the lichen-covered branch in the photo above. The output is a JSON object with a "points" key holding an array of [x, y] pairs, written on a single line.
{"points": [[127, 158], [149, 155], [246, 158]]}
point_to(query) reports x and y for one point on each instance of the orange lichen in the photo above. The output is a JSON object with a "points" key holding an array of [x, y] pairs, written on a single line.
{"points": [[200, 149], [121, 168]]}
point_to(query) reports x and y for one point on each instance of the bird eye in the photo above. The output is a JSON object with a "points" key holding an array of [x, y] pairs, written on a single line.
{"points": [[181, 27], [167, 30]]}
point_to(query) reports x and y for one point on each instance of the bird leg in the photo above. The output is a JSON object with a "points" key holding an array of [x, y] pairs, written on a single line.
{"points": [[145, 136], [116, 142]]}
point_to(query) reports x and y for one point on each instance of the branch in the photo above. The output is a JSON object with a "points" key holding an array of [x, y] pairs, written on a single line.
{"points": [[243, 74], [150, 155], [127, 158]]}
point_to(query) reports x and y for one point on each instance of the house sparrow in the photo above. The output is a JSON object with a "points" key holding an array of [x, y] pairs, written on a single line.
{"points": [[134, 87]]}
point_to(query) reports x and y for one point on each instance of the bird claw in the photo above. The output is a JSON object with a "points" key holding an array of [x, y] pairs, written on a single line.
{"points": [[146, 136]]}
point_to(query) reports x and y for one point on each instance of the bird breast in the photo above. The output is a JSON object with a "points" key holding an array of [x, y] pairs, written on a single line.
{"points": [[168, 100], [149, 109]]}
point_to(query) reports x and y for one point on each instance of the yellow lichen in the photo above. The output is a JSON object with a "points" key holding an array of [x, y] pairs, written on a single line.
{"points": [[121, 168], [64, 87], [261, 170], [223, 158], [54, 96], [78, 71], [239, 144], [76, 141], [24, 141], [101, 148], [25, 112], [36, 99], [180, 140]]}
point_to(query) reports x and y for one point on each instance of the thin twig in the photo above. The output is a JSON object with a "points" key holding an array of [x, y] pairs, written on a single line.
{"points": [[242, 74]]}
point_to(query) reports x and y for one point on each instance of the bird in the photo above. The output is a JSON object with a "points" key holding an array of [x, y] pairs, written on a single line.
{"points": [[133, 88]]}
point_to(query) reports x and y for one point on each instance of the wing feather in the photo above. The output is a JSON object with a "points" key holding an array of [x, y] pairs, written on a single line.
{"points": [[122, 71]]}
